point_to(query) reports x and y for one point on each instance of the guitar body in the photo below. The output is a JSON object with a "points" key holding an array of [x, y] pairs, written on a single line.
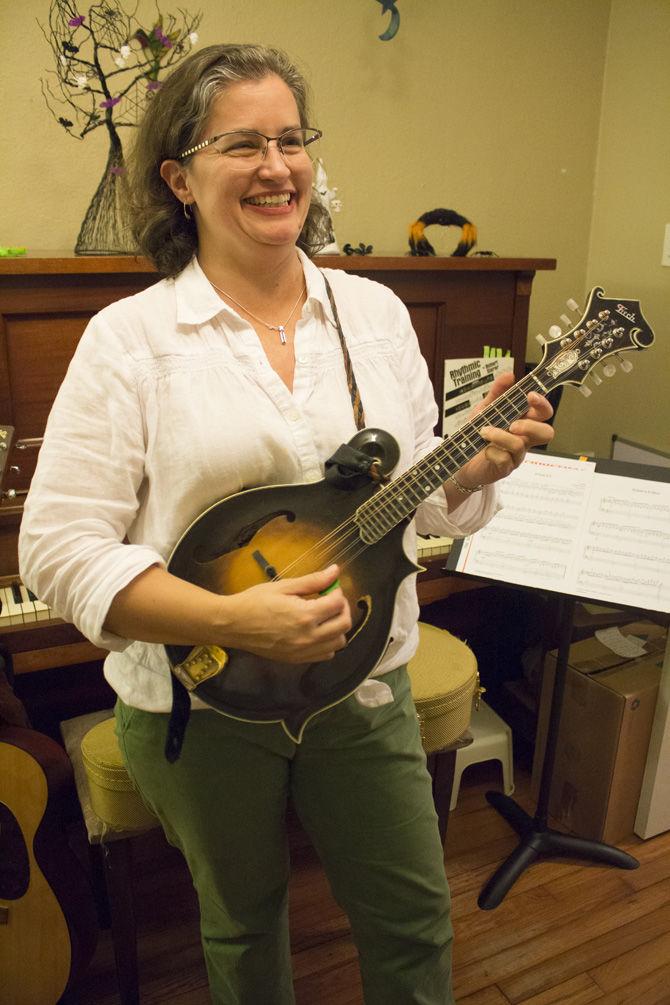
{"points": [[48, 927], [294, 530]]}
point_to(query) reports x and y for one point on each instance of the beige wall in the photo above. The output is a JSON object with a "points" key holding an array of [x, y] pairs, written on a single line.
{"points": [[493, 108], [631, 206]]}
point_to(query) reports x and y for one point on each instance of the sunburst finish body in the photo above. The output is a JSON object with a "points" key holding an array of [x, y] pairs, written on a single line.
{"points": [[286, 531]]}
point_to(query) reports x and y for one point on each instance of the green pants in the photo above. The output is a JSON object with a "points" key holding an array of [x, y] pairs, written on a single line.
{"points": [[359, 783]]}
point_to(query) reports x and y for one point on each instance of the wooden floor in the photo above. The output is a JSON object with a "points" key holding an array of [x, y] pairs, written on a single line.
{"points": [[566, 934]]}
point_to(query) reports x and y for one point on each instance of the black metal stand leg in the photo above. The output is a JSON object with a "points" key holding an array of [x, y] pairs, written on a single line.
{"points": [[537, 839]]}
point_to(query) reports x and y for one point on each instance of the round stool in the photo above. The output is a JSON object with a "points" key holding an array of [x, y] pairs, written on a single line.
{"points": [[114, 816], [444, 677], [113, 796]]}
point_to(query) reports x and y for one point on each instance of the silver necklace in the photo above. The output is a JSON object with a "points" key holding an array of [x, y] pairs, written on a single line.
{"points": [[281, 328]]}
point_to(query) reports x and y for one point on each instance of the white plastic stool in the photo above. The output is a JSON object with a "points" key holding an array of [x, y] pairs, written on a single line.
{"points": [[492, 740]]}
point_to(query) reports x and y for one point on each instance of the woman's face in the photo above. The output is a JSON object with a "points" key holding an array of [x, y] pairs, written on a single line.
{"points": [[231, 217]]}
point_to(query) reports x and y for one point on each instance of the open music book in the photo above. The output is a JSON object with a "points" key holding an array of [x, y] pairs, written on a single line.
{"points": [[596, 529]]}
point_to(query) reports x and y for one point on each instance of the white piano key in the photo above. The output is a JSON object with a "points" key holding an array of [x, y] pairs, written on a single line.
{"points": [[27, 605], [4, 610], [43, 611], [14, 611]]}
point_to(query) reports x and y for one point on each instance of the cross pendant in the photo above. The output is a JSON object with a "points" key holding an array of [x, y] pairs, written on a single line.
{"points": [[282, 332]]}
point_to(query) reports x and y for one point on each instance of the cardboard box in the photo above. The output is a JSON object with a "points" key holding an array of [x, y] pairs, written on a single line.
{"points": [[606, 719]]}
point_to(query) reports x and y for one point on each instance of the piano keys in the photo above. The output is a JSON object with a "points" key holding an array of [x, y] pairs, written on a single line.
{"points": [[33, 638], [431, 546], [19, 606]]}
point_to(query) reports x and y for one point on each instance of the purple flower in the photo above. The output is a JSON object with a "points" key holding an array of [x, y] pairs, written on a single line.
{"points": [[74, 22], [109, 102], [162, 37], [153, 85], [117, 169]]}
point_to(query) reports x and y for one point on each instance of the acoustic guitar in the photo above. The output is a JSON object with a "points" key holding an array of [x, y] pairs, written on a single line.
{"points": [[48, 925], [263, 534]]}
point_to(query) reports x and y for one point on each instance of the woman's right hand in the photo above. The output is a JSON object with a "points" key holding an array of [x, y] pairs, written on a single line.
{"points": [[289, 620]]}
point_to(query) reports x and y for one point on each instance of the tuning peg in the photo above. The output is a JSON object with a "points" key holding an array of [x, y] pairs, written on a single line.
{"points": [[596, 378], [566, 320], [541, 339], [586, 391], [625, 364], [555, 331], [609, 369], [573, 305]]}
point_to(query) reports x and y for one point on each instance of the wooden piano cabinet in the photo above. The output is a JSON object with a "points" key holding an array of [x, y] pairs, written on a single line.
{"points": [[457, 306]]}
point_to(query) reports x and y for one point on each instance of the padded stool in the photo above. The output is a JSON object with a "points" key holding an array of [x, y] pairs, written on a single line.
{"points": [[113, 814], [491, 740], [444, 678]]}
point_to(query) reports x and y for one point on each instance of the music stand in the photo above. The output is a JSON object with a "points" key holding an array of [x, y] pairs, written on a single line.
{"points": [[537, 839], [592, 499]]}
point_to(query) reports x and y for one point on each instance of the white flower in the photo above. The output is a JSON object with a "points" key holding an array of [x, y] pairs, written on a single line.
{"points": [[120, 61], [81, 80], [125, 51], [193, 37]]}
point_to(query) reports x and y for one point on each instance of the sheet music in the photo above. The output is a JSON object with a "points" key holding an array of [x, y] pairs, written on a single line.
{"points": [[566, 527], [626, 543]]}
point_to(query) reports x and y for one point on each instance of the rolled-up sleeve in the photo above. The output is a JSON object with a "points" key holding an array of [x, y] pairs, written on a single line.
{"points": [[84, 495]]}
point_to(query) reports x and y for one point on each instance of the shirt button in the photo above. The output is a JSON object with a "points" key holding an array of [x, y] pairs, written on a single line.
{"points": [[293, 415], [302, 360]]}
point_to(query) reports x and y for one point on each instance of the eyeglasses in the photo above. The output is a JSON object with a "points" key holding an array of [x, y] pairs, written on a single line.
{"points": [[246, 148]]}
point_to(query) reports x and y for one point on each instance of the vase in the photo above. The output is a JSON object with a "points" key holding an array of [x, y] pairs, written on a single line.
{"points": [[104, 230]]}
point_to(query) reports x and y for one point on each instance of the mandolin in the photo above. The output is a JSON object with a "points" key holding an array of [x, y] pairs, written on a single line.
{"points": [[262, 534]]}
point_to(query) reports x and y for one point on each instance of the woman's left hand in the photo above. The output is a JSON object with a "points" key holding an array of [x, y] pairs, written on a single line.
{"points": [[507, 448]]}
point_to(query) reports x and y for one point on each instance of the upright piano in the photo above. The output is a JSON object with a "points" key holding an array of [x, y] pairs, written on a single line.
{"points": [[457, 306]]}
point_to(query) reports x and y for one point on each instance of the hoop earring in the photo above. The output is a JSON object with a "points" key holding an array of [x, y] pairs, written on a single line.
{"points": [[187, 212]]}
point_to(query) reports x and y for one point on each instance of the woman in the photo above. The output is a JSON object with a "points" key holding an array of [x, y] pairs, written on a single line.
{"points": [[230, 373]]}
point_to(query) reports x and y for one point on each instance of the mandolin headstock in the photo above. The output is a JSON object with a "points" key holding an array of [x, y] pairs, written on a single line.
{"points": [[607, 328]]}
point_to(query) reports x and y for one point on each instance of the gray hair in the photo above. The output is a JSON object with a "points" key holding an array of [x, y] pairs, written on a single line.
{"points": [[174, 121]]}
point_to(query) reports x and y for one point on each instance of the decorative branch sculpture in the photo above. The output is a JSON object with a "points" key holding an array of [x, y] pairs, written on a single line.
{"points": [[107, 67]]}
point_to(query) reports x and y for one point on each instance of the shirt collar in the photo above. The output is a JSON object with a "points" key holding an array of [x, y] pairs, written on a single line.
{"points": [[316, 286], [198, 301]]}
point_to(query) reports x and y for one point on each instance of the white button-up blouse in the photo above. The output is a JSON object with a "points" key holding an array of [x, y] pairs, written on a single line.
{"points": [[170, 404]]}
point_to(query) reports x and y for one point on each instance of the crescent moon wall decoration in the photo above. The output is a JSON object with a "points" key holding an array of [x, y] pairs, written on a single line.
{"points": [[389, 7]]}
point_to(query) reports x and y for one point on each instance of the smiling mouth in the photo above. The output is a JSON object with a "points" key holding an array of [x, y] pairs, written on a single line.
{"points": [[280, 199]]}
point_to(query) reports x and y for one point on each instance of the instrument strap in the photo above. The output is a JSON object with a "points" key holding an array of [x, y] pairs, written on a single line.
{"points": [[181, 702], [354, 393]]}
